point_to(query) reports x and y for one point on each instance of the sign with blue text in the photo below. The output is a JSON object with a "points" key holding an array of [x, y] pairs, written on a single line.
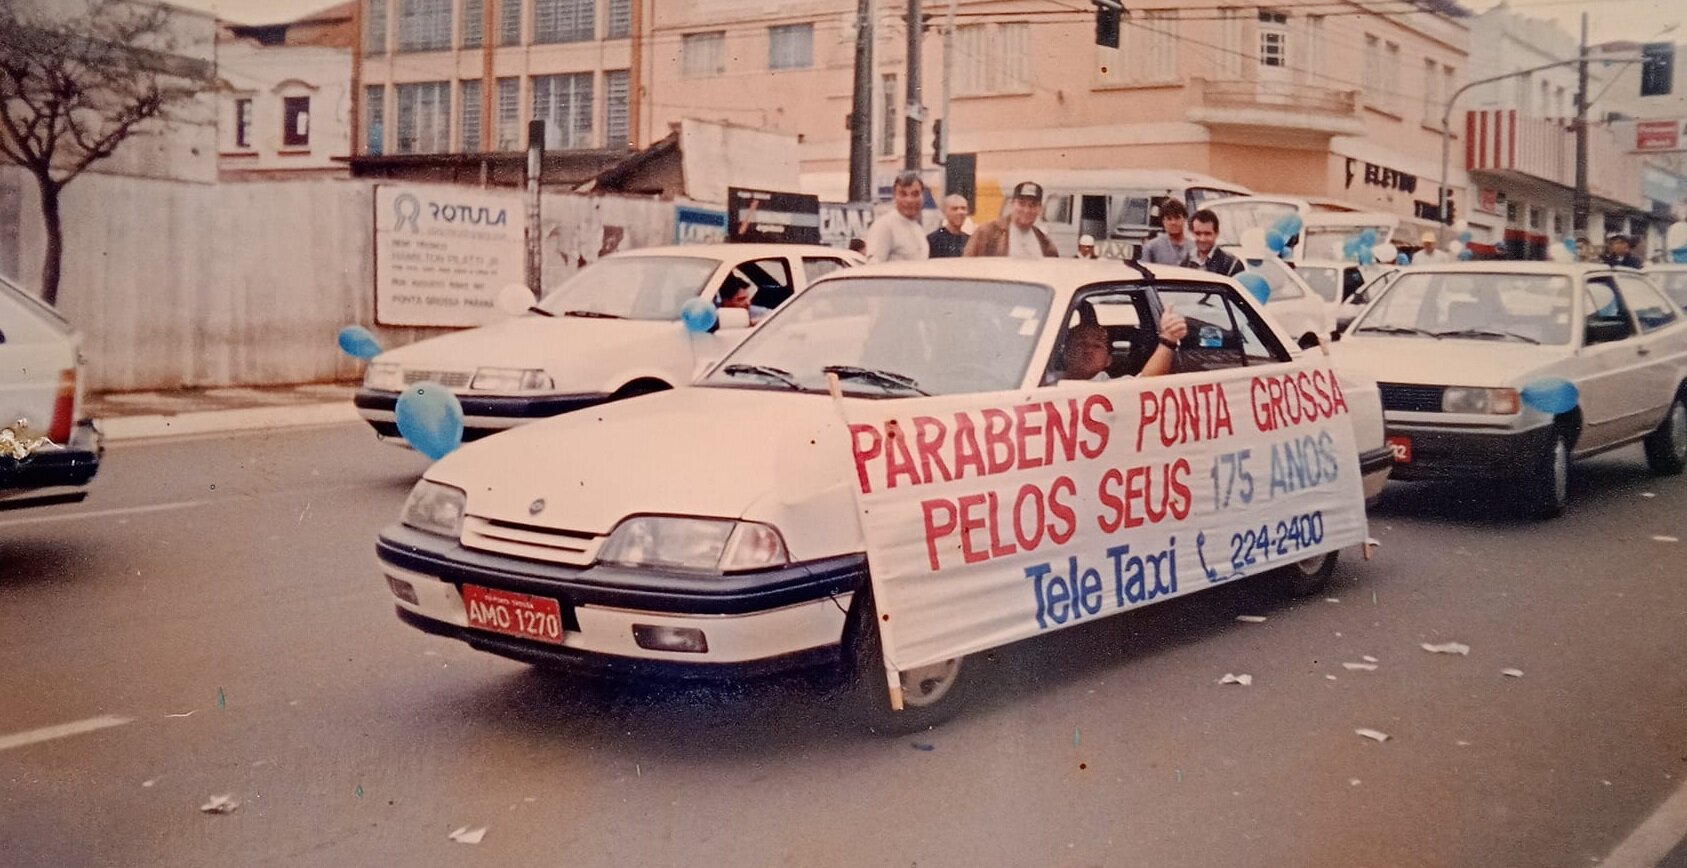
{"points": [[442, 254], [993, 518]]}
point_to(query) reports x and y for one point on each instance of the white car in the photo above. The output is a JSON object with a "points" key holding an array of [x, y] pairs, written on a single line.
{"points": [[1672, 279], [41, 406], [611, 331], [1292, 301], [711, 532], [1457, 348], [1349, 309]]}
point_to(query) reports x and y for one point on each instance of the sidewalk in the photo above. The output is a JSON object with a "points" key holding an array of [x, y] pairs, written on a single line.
{"points": [[141, 415]]}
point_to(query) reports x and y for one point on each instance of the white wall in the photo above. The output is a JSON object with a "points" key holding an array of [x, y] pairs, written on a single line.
{"points": [[268, 75]]}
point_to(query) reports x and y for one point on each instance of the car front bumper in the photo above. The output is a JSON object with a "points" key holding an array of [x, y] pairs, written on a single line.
{"points": [[754, 624], [55, 475], [1445, 452], [482, 415]]}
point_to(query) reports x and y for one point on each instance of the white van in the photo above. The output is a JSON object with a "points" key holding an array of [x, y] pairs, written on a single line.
{"points": [[1120, 208], [41, 406]]}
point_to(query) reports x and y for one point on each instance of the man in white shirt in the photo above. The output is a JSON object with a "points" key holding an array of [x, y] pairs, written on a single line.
{"points": [[897, 235], [1429, 254]]}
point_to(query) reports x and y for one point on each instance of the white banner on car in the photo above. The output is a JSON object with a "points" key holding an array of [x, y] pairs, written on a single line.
{"points": [[442, 254], [992, 518]]}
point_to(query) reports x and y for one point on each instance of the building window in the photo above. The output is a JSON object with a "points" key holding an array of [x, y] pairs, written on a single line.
{"points": [[1520, 95], [1273, 39], [1391, 75], [790, 46], [374, 117], [424, 118], [992, 58], [1314, 46], [1559, 104], [473, 24], [468, 116], [509, 22], [1230, 53], [424, 25], [615, 100], [375, 27], [887, 106], [1537, 219], [1373, 82], [620, 23], [509, 114], [1147, 54], [1431, 91], [702, 54], [243, 123], [1448, 86], [1559, 227], [564, 21], [564, 103], [1513, 213], [295, 122]]}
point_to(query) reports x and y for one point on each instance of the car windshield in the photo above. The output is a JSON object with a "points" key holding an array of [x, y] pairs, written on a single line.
{"points": [[25, 319], [1674, 285], [1327, 242], [1527, 308], [1234, 218], [632, 287], [894, 337], [1323, 279]]}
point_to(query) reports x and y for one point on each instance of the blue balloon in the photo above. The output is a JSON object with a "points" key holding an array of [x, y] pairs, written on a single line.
{"points": [[1679, 255], [1275, 241], [1366, 257], [1465, 236], [698, 315], [1288, 224], [1255, 285], [359, 343], [430, 418], [1570, 244], [1551, 395], [1368, 237], [1402, 259], [1465, 255]]}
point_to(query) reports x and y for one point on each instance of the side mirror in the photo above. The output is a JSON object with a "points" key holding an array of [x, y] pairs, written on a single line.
{"points": [[1308, 341], [514, 299], [733, 318], [1605, 331]]}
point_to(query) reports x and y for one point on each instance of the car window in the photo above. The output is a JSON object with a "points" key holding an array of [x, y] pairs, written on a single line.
{"points": [[769, 280], [1219, 321], [1322, 279], [1471, 305], [1674, 285], [632, 287], [1650, 308], [1278, 276], [1605, 311], [816, 267], [1057, 208], [1223, 333], [1132, 213], [27, 320]]}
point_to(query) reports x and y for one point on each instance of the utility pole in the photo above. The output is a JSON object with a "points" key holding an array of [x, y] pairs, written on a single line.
{"points": [[1578, 207], [948, 71], [915, 111], [861, 112], [535, 165]]}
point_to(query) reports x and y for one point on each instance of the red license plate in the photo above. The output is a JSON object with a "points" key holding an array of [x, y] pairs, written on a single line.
{"points": [[1401, 447], [513, 614]]}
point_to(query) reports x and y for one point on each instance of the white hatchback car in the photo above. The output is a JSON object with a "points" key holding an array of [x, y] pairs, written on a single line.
{"points": [[1457, 348], [41, 399], [703, 534], [609, 332], [1672, 279]]}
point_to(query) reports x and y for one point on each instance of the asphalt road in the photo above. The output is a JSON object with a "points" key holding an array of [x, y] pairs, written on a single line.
{"points": [[220, 595]]}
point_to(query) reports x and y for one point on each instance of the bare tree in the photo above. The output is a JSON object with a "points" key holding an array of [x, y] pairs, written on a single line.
{"points": [[74, 87]]}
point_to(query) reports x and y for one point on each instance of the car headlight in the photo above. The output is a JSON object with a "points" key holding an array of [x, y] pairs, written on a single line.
{"points": [[706, 544], [1461, 399], [511, 380], [384, 376], [435, 508]]}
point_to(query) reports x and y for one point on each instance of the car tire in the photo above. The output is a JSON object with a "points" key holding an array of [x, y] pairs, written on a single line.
{"points": [[1307, 577], [1546, 491], [1666, 448], [929, 696]]}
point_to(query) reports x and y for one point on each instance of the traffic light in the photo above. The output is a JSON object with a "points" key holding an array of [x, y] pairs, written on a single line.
{"points": [[1107, 18], [1657, 68], [938, 155]]}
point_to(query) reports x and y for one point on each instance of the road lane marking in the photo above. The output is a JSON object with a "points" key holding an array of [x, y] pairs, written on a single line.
{"points": [[1653, 839], [63, 730], [103, 513]]}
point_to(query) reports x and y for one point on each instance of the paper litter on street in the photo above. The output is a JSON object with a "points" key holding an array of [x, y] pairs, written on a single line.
{"points": [[1360, 667], [1244, 680], [1251, 619], [1514, 673], [1374, 735], [1369, 659], [465, 835], [1662, 538], [220, 804], [1447, 648]]}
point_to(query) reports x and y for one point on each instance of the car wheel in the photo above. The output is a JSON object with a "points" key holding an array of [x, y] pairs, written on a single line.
{"points": [[1307, 577], [1666, 448], [1547, 490], [930, 694]]}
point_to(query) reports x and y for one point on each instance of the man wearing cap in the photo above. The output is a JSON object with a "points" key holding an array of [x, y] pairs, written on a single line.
{"points": [[1086, 247], [1618, 254], [1016, 233], [1429, 254], [897, 235], [949, 239]]}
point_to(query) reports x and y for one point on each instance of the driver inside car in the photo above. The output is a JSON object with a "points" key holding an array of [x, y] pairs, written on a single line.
{"points": [[1089, 352], [737, 292]]}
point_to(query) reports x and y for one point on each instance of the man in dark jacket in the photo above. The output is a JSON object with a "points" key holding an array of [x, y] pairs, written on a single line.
{"points": [[1618, 253], [1206, 254], [948, 240], [1015, 234]]}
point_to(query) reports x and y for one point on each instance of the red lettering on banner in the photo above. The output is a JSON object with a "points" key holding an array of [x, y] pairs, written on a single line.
{"points": [[1062, 511], [928, 441], [864, 452], [1025, 428], [997, 549], [1095, 426], [970, 523], [898, 460], [936, 529], [998, 442], [1062, 427], [1028, 541], [967, 454], [1110, 521]]}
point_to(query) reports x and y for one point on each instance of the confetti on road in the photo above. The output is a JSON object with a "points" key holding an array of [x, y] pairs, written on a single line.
{"points": [[148, 783], [183, 714], [222, 701], [920, 745], [1244, 680], [222, 804], [465, 835], [1353, 782], [1330, 677], [1251, 619], [1447, 648], [1077, 737], [1332, 599], [1513, 673], [1374, 735], [1661, 538], [1369, 659], [1360, 667], [1647, 494]]}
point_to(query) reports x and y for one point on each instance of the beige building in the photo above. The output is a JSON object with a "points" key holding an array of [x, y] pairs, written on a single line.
{"points": [[285, 97]]}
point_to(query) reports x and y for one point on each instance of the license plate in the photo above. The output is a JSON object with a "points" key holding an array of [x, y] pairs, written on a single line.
{"points": [[1401, 447], [513, 614]]}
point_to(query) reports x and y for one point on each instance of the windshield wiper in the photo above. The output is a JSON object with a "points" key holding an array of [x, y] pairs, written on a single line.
{"points": [[540, 311], [888, 379], [1484, 333], [779, 375], [1399, 330], [592, 314]]}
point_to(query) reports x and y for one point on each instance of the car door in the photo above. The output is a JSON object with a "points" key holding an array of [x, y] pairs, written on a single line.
{"points": [[1660, 347], [37, 366], [1608, 367], [772, 280]]}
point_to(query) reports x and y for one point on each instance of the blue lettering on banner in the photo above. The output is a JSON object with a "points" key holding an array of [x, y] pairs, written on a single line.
{"points": [[1077, 593]]}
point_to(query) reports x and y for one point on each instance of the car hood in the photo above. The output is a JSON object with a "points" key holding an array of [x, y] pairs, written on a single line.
{"points": [[1446, 362], [727, 453], [532, 342]]}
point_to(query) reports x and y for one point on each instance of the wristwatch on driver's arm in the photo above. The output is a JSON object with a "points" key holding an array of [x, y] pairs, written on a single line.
{"points": [[1168, 343]]}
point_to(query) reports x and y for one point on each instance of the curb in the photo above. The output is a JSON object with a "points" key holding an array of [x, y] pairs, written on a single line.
{"points": [[119, 429]]}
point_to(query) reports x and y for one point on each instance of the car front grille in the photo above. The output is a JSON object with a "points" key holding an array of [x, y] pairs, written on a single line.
{"points": [[532, 542], [448, 379], [1412, 399]]}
